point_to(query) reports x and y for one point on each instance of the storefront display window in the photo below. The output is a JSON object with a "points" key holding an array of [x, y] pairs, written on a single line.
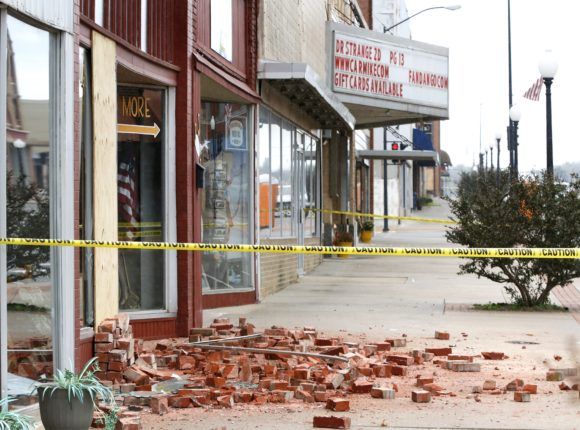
{"points": [[28, 208], [289, 184], [226, 200], [86, 262], [141, 195]]}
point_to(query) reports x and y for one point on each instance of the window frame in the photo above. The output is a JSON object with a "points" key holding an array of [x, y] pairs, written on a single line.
{"points": [[169, 208], [294, 130], [61, 184], [253, 125]]}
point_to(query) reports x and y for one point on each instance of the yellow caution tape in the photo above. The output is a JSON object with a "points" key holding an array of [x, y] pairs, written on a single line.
{"points": [[568, 253], [366, 215], [140, 224]]}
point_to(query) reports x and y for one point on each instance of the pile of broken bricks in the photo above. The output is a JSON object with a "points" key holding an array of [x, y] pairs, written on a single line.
{"points": [[222, 365]]}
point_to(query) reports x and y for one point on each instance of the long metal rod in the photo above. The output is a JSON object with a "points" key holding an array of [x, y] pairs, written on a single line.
{"points": [[272, 351], [229, 339], [511, 146], [409, 17], [549, 149], [385, 185]]}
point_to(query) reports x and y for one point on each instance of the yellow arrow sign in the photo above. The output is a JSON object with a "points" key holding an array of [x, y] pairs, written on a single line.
{"points": [[150, 130]]}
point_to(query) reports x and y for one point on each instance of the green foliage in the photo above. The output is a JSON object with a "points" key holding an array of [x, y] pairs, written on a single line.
{"points": [[27, 213], [533, 212], [368, 226], [342, 233], [21, 307], [109, 418], [12, 420], [80, 384], [548, 307]]}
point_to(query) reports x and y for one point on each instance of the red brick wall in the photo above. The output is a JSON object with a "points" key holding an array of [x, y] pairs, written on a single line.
{"points": [[366, 6], [188, 263]]}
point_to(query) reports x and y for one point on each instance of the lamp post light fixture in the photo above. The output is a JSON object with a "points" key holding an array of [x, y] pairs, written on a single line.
{"points": [[515, 116], [452, 7], [20, 144], [498, 139], [548, 66]]}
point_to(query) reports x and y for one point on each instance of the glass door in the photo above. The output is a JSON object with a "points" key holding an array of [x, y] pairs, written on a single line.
{"points": [[300, 193]]}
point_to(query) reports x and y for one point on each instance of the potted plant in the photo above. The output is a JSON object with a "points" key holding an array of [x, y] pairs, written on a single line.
{"points": [[343, 237], [68, 401], [12, 420], [366, 231]]}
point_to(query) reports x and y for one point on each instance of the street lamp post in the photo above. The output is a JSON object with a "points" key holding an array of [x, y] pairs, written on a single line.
{"points": [[548, 67], [491, 157], [453, 7], [486, 164], [385, 185], [515, 116], [497, 167]]}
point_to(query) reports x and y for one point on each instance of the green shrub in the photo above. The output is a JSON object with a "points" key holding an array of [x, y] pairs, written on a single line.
{"points": [[532, 212]]}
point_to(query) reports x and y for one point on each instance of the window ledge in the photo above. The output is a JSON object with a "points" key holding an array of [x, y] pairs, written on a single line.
{"points": [[230, 291], [144, 315], [86, 333]]}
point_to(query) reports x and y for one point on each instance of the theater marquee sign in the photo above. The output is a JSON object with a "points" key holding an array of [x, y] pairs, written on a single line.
{"points": [[367, 66]]}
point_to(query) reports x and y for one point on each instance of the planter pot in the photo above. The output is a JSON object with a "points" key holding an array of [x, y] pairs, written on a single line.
{"points": [[57, 413], [344, 244], [366, 236]]}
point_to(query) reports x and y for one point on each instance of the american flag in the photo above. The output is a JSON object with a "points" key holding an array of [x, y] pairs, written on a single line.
{"points": [[534, 91], [128, 194]]}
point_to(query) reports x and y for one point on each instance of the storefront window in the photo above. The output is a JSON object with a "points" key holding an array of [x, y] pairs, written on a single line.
{"points": [[226, 198], [311, 183], [29, 269], [141, 195], [286, 206], [86, 265], [289, 184]]}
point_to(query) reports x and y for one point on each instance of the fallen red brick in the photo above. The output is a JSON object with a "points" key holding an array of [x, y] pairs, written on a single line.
{"points": [[403, 360], [159, 405], [515, 385], [382, 393], [530, 388], [361, 386], [522, 396], [442, 335], [493, 355], [439, 352], [423, 381], [421, 396], [337, 404], [331, 422], [179, 402]]}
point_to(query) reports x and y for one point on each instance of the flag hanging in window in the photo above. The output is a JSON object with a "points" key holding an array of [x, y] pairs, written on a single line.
{"points": [[128, 195]]}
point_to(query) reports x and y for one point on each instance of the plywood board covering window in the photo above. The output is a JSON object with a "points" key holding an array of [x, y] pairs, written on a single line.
{"points": [[105, 174]]}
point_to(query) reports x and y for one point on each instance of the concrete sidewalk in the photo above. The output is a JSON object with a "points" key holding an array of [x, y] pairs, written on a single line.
{"points": [[377, 294]]}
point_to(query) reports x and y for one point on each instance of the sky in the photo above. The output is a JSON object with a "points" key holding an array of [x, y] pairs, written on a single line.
{"points": [[476, 36], [31, 46]]}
